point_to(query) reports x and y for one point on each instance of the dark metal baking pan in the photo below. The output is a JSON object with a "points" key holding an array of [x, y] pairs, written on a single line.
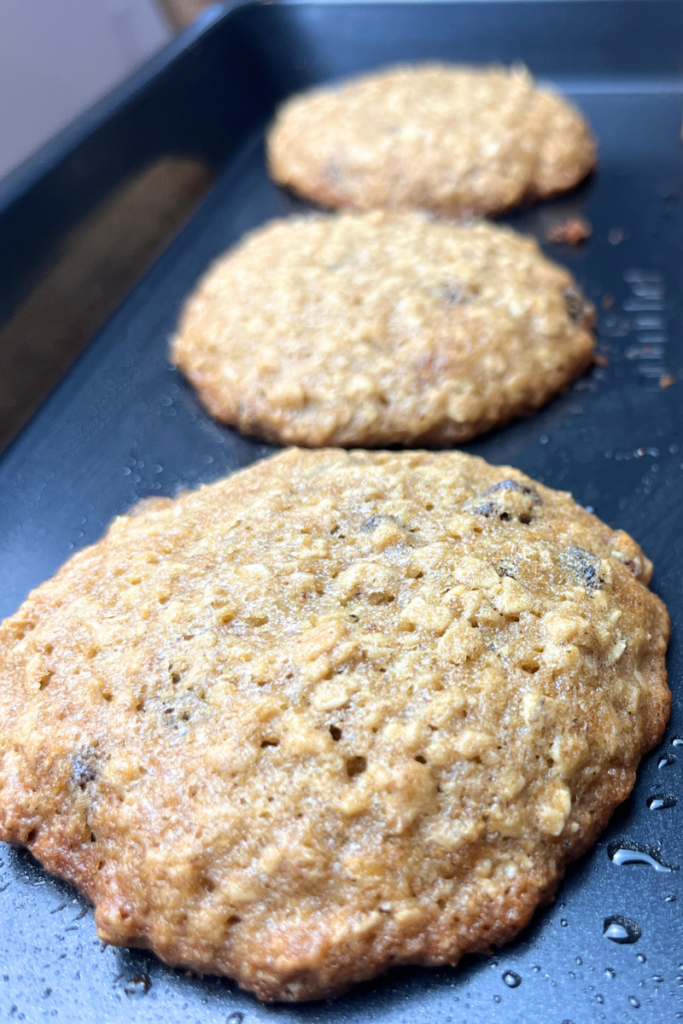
{"points": [[122, 424]]}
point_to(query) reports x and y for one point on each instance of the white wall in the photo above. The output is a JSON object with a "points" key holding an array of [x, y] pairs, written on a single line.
{"points": [[59, 56]]}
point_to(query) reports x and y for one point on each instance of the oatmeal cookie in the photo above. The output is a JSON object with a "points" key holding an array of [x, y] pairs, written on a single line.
{"points": [[458, 140], [335, 712], [381, 328]]}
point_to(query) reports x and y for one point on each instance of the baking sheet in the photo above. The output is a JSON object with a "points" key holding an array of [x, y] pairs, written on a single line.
{"points": [[122, 424]]}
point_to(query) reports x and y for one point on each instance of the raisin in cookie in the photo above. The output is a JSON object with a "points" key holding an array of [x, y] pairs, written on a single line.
{"points": [[378, 328], [336, 712], [458, 140]]}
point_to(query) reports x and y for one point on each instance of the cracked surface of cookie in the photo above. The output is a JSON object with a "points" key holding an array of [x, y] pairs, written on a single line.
{"points": [[336, 712], [381, 328], [454, 139]]}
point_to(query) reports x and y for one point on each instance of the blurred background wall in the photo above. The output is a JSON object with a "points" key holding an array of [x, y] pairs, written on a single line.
{"points": [[59, 56], [182, 12]]}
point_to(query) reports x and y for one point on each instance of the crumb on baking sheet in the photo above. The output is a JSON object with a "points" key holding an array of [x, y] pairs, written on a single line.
{"points": [[572, 231], [666, 380]]}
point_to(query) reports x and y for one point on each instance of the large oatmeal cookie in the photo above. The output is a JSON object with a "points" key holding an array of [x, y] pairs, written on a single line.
{"points": [[336, 712], [459, 140], [376, 329]]}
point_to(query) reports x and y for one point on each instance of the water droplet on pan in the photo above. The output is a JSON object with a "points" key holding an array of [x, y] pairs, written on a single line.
{"points": [[638, 853], [511, 979], [610, 972], [641, 958], [600, 998], [666, 760], [623, 930], [138, 985], [661, 801], [677, 741], [579, 960], [235, 1018], [635, 1003], [564, 922]]}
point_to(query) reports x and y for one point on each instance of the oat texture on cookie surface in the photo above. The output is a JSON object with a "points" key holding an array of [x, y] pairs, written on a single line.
{"points": [[336, 712], [379, 328], [450, 138]]}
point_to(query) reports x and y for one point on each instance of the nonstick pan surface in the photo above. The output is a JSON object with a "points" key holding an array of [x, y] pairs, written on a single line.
{"points": [[122, 424]]}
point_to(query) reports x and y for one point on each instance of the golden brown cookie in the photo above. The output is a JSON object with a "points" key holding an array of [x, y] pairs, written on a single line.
{"points": [[455, 139], [336, 712], [379, 328]]}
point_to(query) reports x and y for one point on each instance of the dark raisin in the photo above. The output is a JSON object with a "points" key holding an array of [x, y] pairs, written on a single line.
{"points": [[488, 509], [515, 485], [453, 294], [85, 767], [513, 500], [356, 765], [505, 570], [376, 520], [491, 510], [584, 566]]}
